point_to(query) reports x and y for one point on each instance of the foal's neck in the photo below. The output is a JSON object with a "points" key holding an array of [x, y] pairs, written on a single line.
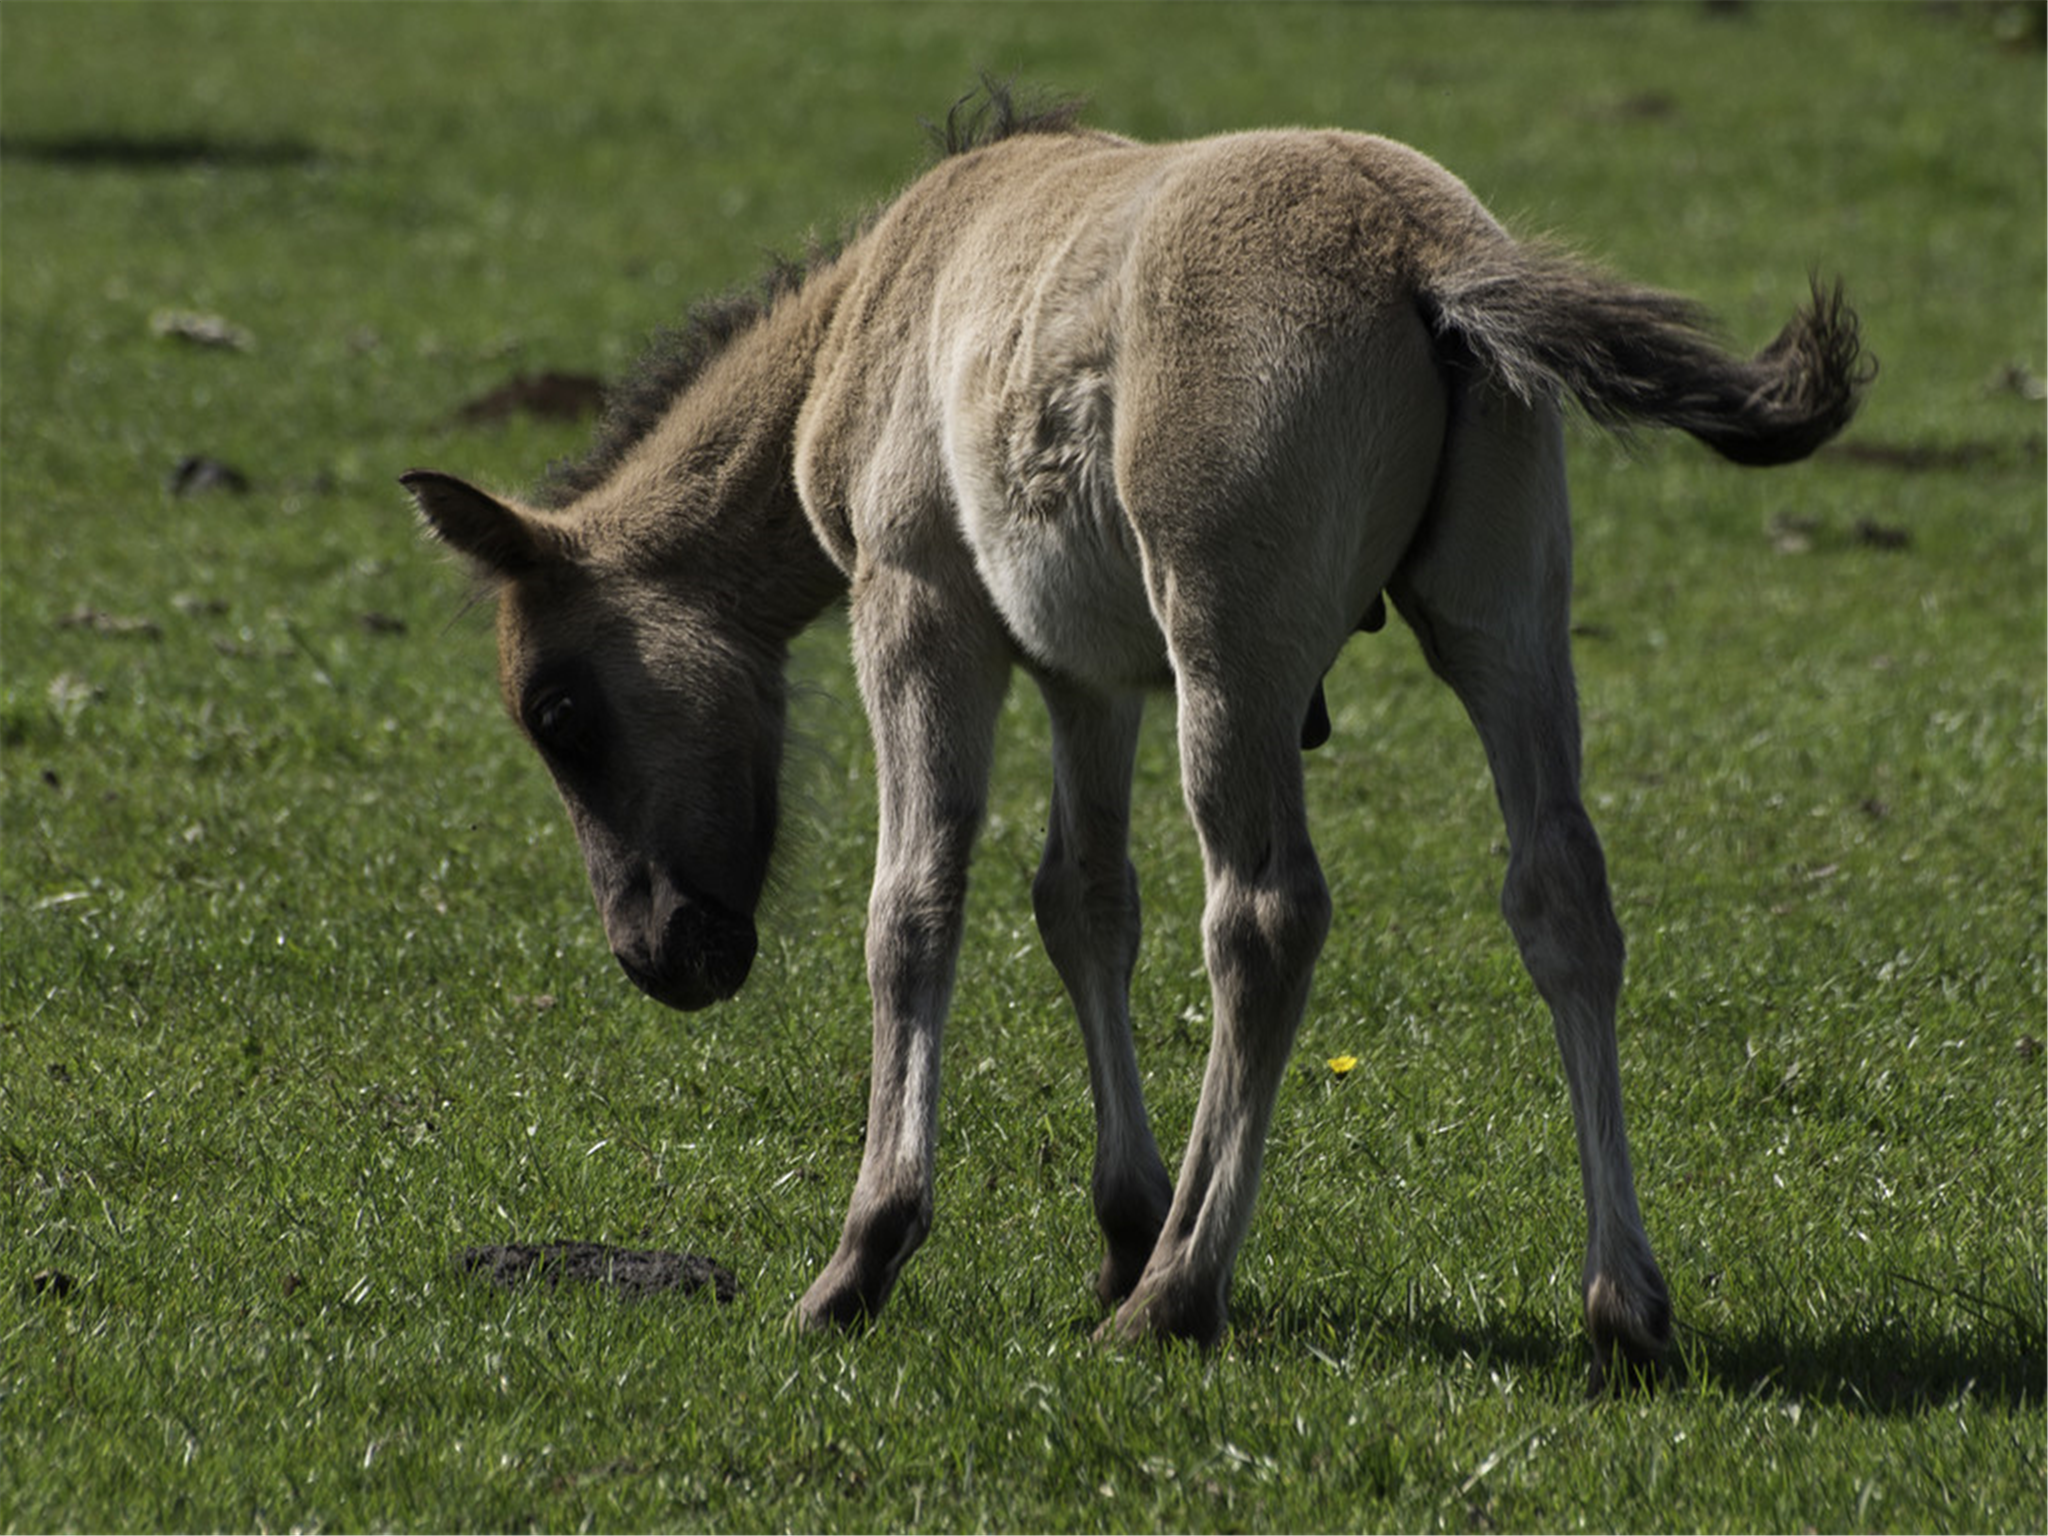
{"points": [[707, 502]]}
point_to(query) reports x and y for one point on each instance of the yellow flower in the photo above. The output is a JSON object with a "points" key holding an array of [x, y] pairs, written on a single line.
{"points": [[1342, 1064]]}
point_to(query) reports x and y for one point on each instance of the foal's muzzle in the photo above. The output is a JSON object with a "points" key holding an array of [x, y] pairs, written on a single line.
{"points": [[691, 952]]}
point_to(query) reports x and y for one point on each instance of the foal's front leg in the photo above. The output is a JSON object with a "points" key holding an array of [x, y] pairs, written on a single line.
{"points": [[933, 668]]}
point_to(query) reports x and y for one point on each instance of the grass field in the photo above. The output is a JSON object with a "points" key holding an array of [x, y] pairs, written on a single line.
{"points": [[301, 992]]}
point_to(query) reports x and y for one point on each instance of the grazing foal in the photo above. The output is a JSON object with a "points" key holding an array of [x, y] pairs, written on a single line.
{"points": [[1130, 417]]}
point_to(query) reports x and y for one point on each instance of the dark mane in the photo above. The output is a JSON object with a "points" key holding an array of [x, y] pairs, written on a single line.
{"points": [[991, 113], [675, 357], [678, 355]]}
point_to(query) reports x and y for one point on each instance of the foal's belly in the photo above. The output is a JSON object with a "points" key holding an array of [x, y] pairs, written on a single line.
{"points": [[1036, 500], [1071, 590]]}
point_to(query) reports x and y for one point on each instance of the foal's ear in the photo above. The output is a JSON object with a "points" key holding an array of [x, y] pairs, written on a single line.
{"points": [[501, 539]]}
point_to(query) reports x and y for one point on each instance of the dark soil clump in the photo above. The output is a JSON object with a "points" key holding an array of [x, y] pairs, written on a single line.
{"points": [[551, 396], [629, 1271]]}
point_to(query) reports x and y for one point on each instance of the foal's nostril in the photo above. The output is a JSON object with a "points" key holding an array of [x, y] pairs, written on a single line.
{"points": [[704, 938], [695, 954]]}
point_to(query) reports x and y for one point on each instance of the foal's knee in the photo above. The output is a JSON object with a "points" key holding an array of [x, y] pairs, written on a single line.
{"points": [[1557, 903]]}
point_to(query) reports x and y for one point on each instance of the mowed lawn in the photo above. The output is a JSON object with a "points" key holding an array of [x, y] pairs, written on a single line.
{"points": [[301, 993]]}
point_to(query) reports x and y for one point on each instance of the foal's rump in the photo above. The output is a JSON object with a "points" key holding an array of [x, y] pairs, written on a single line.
{"points": [[1160, 367], [1281, 402]]}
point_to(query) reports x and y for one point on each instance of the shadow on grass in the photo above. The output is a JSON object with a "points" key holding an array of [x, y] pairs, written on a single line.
{"points": [[1883, 1367], [148, 152]]}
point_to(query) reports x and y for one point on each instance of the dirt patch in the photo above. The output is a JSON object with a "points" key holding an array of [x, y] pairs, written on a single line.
{"points": [[1922, 458], [201, 330], [145, 152], [197, 475], [552, 396], [1793, 533], [51, 1283], [629, 1271], [1875, 535], [89, 618]]}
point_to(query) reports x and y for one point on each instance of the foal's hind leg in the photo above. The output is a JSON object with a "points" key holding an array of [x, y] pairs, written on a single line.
{"points": [[1263, 923], [1086, 898], [1487, 591]]}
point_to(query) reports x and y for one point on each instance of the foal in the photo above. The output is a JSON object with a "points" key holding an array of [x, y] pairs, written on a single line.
{"points": [[1129, 417]]}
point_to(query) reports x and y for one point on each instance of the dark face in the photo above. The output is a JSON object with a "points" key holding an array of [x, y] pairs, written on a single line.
{"points": [[664, 739]]}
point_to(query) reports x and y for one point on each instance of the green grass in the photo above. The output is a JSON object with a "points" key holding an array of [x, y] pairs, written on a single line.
{"points": [[300, 992]]}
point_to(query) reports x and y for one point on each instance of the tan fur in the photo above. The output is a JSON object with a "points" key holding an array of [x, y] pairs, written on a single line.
{"points": [[1130, 417]]}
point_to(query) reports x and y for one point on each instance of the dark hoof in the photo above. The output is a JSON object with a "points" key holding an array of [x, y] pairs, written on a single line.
{"points": [[842, 1313], [1165, 1312], [1631, 1334], [849, 1292]]}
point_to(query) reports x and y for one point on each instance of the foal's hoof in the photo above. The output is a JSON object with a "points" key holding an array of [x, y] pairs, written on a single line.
{"points": [[836, 1315], [839, 1300], [1164, 1312], [1631, 1334], [880, 1236], [1623, 1370]]}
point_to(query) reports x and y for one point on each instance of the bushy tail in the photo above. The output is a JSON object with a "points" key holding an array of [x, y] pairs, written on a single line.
{"points": [[1542, 323]]}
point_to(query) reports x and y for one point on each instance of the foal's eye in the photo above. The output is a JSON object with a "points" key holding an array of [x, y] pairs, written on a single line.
{"points": [[556, 721], [557, 715]]}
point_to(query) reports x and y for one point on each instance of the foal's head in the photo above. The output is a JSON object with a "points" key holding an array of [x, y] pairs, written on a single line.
{"points": [[659, 712]]}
